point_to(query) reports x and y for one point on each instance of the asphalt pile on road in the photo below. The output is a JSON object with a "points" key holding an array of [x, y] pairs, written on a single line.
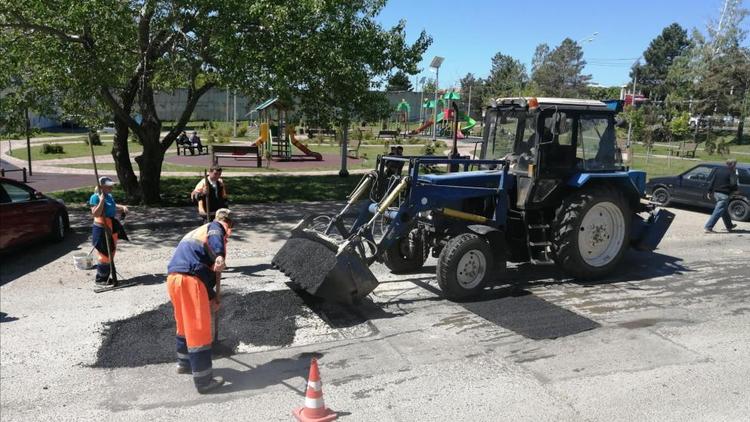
{"points": [[264, 318]]}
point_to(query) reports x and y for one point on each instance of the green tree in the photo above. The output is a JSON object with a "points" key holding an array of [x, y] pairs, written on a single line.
{"points": [[399, 82], [477, 88], [352, 50], [121, 53], [559, 73], [507, 77], [658, 58], [603, 92], [680, 125]]}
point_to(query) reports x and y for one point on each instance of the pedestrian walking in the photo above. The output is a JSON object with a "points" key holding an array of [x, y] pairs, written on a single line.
{"points": [[106, 229], [723, 185], [192, 283], [210, 196]]}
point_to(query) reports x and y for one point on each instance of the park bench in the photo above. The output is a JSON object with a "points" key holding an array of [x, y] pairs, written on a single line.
{"points": [[687, 149], [235, 152], [393, 134], [186, 147], [354, 151], [324, 132]]}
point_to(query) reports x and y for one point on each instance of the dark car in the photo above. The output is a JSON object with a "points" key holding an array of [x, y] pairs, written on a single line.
{"points": [[27, 215], [692, 188]]}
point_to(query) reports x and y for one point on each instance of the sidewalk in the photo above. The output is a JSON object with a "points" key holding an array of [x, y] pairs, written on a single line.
{"points": [[155, 218]]}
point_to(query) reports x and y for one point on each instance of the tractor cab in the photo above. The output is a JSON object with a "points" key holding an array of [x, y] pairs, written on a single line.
{"points": [[549, 140]]}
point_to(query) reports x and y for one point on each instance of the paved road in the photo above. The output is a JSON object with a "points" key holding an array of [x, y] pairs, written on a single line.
{"points": [[664, 339]]}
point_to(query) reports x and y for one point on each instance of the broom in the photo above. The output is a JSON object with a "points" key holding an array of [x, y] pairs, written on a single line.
{"points": [[107, 231]]}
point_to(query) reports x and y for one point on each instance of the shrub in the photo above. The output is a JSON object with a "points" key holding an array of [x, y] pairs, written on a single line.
{"points": [[429, 149], [242, 130], [53, 149], [94, 137], [680, 125], [655, 133]]}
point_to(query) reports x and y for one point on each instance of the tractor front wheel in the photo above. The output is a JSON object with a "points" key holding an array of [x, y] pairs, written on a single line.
{"points": [[591, 232], [407, 254], [463, 266]]}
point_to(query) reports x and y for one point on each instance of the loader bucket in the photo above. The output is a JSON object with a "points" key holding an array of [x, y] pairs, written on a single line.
{"points": [[320, 266]]}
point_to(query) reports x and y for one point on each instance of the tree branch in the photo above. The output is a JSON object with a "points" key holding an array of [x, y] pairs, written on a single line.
{"points": [[24, 24]]}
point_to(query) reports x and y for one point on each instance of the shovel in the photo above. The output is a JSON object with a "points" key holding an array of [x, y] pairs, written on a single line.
{"points": [[329, 269]]}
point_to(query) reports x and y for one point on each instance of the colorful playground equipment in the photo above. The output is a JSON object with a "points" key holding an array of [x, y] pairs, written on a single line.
{"points": [[445, 118], [277, 140]]}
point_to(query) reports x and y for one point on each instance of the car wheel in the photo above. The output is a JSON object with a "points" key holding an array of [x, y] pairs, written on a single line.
{"points": [[58, 227], [739, 210], [661, 196]]}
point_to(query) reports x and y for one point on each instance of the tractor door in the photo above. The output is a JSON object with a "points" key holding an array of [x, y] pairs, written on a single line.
{"points": [[557, 153]]}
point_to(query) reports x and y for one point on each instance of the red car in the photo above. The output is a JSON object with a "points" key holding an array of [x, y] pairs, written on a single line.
{"points": [[27, 215]]}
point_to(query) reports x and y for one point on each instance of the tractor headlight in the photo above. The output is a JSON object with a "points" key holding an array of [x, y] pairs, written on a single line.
{"points": [[543, 188]]}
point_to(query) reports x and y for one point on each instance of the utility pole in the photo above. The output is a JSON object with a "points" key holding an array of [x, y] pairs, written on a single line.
{"points": [[628, 145], [234, 116], [468, 108], [435, 64], [28, 137], [227, 102]]}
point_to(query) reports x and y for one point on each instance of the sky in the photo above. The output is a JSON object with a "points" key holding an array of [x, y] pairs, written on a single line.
{"points": [[469, 32]]}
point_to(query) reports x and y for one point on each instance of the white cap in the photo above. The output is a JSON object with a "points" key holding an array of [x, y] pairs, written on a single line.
{"points": [[106, 181]]}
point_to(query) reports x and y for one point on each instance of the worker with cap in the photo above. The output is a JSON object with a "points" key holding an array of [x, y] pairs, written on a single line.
{"points": [[193, 274], [106, 230], [211, 195]]}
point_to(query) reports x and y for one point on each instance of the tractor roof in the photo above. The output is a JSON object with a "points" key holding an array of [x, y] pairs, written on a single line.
{"points": [[546, 102]]}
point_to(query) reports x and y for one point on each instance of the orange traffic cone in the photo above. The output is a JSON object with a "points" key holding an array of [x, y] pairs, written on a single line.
{"points": [[314, 410]]}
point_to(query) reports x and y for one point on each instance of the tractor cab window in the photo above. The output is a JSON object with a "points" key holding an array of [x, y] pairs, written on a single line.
{"points": [[501, 130], [597, 147]]}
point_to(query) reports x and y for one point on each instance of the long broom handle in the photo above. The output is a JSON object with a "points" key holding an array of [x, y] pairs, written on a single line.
{"points": [[208, 196], [112, 271]]}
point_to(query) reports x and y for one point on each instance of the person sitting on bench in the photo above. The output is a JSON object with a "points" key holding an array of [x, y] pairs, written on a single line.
{"points": [[195, 142]]}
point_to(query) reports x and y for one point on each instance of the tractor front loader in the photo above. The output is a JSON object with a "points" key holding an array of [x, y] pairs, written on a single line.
{"points": [[549, 189]]}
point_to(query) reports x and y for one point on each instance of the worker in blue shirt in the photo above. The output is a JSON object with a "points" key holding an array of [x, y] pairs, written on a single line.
{"points": [[193, 283], [104, 210]]}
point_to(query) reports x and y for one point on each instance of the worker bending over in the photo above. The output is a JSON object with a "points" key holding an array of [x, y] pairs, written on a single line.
{"points": [[104, 209], [215, 193], [194, 272]]}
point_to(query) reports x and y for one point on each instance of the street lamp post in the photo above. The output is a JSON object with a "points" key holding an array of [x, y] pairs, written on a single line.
{"points": [[578, 61], [421, 100], [435, 64]]}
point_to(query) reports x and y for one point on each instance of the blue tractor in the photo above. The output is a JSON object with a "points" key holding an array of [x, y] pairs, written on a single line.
{"points": [[550, 188]]}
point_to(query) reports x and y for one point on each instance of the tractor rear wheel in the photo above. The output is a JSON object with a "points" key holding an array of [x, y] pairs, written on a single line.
{"points": [[591, 232], [463, 266], [407, 254]]}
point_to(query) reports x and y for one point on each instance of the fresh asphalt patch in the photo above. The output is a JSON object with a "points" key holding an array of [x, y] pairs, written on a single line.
{"points": [[262, 318], [528, 315]]}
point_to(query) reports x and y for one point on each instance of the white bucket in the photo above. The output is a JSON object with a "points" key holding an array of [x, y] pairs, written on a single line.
{"points": [[83, 261]]}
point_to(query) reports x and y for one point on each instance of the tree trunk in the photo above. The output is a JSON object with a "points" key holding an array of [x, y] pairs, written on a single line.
{"points": [[344, 145], [740, 130], [150, 163], [123, 165]]}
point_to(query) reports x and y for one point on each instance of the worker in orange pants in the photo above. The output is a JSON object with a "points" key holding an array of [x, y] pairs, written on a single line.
{"points": [[194, 270]]}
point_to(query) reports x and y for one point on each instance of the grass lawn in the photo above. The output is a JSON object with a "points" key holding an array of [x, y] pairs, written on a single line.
{"points": [[77, 149], [242, 190]]}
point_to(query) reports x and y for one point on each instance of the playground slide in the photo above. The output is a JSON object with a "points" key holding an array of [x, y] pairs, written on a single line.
{"points": [[303, 148], [421, 128], [263, 131]]}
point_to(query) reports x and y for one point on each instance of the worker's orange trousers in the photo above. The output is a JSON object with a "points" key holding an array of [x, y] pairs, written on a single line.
{"points": [[103, 269], [192, 313]]}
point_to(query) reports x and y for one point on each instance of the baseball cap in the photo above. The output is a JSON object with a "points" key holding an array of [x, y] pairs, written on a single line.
{"points": [[106, 181]]}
